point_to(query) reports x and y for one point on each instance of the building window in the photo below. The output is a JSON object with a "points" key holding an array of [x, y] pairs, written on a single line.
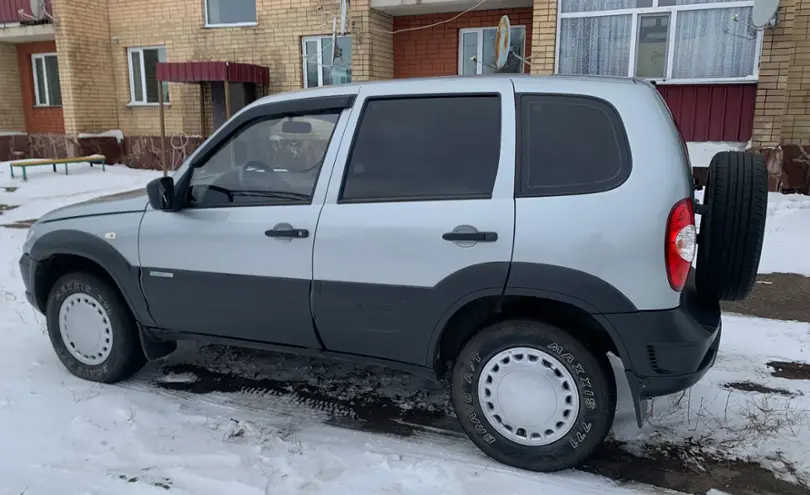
{"points": [[143, 75], [47, 91], [325, 64], [664, 40], [230, 13], [476, 51]]}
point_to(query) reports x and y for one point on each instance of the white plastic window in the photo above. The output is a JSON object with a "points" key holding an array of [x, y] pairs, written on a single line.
{"points": [[664, 40], [230, 13], [143, 84], [47, 90], [476, 51], [325, 64]]}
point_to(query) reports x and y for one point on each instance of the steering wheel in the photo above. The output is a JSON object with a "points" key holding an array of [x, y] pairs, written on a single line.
{"points": [[259, 170]]}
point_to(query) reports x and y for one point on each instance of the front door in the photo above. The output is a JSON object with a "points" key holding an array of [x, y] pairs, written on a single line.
{"points": [[236, 260], [419, 216]]}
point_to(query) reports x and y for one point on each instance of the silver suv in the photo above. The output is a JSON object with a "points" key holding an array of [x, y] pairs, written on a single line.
{"points": [[508, 231]]}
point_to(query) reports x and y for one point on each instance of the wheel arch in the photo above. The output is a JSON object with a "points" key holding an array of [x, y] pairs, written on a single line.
{"points": [[62, 251], [480, 309]]}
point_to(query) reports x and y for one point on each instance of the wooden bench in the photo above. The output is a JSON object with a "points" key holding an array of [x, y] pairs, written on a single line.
{"points": [[36, 162]]}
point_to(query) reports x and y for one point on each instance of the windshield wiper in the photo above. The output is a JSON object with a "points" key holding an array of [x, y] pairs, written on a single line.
{"points": [[273, 194]]}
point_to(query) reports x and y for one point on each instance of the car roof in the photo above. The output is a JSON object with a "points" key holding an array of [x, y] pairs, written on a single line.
{"points": [[545, 83]]}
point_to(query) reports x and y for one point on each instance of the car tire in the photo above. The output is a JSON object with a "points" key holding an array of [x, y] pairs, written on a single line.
{"points": [[552, 372], [92, 330], [732, 225]]}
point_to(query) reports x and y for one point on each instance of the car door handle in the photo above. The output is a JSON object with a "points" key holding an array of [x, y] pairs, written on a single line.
{"points": [[288, 233], [471, 236]]}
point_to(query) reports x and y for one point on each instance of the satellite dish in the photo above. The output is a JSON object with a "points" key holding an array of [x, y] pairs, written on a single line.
{"points": [[37, 9], [503, 40], [763, 12]]}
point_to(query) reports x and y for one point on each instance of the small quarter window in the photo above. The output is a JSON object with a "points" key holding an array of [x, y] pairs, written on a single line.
{"points": [[418, 149], [570, 145]]}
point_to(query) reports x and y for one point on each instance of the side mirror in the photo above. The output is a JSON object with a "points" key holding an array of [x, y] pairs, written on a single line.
{"points": [[161, 193]]}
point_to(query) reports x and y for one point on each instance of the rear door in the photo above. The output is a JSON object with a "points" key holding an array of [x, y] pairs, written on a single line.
{"points": [[419, 214]]}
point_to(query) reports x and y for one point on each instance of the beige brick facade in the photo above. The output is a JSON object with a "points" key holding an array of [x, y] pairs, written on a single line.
{"points": [[97, 92], [544, 37], [783, 95], [83, 45], [12, 117]]}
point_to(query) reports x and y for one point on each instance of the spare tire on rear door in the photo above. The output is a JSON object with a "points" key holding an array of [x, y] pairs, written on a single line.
{"points": [[732, 225]]}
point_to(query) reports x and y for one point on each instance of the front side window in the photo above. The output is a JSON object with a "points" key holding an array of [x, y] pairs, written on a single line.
{"points": [[143, 75], [325, 62], [230, 13], [420, 149], [686, 40], [275, 161], [47, 91], [476, 51]]}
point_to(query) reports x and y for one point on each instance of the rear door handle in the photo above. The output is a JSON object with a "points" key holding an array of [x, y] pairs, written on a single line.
{"points": [[288, 233], [471, 236]]}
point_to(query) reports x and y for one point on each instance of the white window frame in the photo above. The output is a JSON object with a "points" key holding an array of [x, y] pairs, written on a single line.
{"points": [[673, 24], [208, 24], [319, 59], [47, 99], [144, 103], [479, 54]]}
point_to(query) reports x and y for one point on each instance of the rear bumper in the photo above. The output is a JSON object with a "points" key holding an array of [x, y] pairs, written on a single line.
{"points": [[669, 351], [28, 269]]}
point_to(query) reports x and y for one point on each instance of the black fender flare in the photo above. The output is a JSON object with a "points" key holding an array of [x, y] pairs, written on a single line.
{"points": [[565, 285], [82, 244]]}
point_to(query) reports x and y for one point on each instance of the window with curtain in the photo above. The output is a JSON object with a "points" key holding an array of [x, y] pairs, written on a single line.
{"points": [[678, 40]]}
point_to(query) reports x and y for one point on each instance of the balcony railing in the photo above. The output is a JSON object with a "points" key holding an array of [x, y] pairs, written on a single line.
{"points": [[10, 11]]}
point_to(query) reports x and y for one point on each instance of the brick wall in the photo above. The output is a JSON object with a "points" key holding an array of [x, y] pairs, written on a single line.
{"points": [[38, 120], [84, 47], [544, 37], [434, 51], [179, 26], [783, 96], [12, 117]]}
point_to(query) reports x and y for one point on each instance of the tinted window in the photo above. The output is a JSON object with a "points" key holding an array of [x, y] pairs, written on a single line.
{"points": [[271, 161], [425, 148], [570, 145]]}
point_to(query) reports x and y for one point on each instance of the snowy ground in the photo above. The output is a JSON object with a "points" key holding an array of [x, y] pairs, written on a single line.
{"points": [[296, 425]]}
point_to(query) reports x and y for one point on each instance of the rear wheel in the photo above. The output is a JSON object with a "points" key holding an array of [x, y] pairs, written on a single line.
{"points": [[92, 330], [531, 396], [732, 226]]}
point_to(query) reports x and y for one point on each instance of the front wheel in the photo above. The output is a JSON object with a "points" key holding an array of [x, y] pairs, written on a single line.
{"points": [[92, 330], [531, 396]]}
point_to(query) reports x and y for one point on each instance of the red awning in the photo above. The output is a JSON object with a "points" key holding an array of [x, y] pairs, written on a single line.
{"points": [[195, 72]]}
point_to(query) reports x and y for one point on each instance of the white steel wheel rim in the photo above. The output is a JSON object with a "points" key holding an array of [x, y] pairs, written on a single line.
{"points": [[528, 396], [86, 329]]}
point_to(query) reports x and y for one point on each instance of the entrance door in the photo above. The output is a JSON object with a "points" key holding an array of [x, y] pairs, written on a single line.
{"points": [[236, 260]]}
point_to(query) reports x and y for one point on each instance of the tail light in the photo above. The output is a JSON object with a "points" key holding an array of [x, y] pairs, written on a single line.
{"points": [[681, 243]]}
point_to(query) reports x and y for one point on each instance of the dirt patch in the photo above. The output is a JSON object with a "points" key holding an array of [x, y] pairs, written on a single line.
{"points": [[791, 371], [780, 296], [367, 411], [9, 189], [165, 483], [686, 469], [7, 208], [21, 224], [756, 387]]}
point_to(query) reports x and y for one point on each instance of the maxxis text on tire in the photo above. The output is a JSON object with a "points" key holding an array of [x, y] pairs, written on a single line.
{"points": [[125, 355], [594, 385], [733, 225]]}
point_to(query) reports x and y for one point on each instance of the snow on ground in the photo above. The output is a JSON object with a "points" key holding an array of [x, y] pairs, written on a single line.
{"points": [[61, 435], [700, 154]]}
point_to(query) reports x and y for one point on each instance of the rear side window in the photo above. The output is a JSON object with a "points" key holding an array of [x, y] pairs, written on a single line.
{"points": [[426, 148], [569, 145]]}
